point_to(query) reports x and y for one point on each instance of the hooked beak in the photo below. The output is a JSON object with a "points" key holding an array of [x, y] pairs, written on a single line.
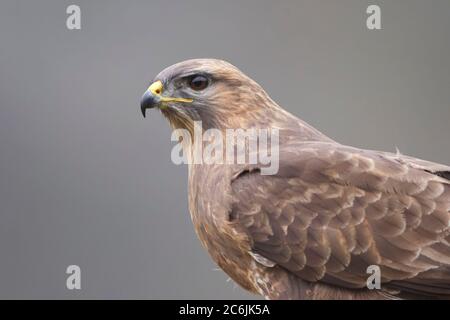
{"points": [[153, 97], [148, 101]]}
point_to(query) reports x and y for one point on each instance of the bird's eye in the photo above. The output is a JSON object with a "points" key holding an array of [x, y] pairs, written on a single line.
{"points": [[198, 82]]}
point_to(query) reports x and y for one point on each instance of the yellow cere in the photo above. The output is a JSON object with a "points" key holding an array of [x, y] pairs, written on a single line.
{"points": [[156, 88]]}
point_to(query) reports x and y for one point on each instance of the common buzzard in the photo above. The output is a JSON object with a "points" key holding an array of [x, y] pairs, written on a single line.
{"points": [[311, 230]]}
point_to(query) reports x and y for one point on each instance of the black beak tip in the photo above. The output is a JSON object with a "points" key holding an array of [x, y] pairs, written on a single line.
{"points": [[143, 109]]}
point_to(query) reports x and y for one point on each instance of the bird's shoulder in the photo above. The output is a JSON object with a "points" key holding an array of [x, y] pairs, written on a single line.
{"points": [[332, 210]]}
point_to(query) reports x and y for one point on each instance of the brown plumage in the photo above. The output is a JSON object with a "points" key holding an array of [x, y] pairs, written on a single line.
{"points": [[311, 230]]}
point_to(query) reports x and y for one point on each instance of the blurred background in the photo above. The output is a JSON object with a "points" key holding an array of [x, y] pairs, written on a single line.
{"points": [[85, 180]]}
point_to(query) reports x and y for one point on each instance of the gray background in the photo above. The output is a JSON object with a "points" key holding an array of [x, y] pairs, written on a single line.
{"points": [[85, 180]]}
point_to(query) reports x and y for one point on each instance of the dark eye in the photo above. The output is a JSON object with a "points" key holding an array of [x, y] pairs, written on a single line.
{"points": [[198, 82]]}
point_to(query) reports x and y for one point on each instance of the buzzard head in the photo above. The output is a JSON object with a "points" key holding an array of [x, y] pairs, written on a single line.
{"points": [[208, 90]]}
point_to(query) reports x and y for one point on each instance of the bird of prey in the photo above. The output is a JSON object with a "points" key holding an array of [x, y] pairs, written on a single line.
{"points": [[311, 230]]}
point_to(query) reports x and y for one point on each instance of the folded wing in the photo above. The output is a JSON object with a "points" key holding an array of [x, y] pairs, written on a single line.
{"points": [[331, 211]]}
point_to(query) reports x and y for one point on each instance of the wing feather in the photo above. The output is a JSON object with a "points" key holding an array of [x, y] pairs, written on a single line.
{"points": [[331, 211]]}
